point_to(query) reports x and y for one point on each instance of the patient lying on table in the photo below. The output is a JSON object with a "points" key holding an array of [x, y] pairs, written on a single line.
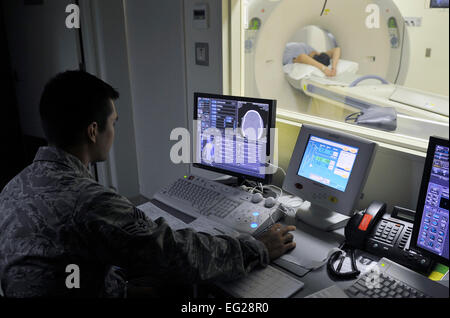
{"points": [[303, 53]]}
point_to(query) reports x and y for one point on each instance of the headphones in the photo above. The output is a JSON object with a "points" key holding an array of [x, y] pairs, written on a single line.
{"points": [[336, 273]]}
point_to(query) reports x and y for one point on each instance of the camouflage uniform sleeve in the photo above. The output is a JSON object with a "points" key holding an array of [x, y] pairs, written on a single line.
{"points": [[120, 234]]}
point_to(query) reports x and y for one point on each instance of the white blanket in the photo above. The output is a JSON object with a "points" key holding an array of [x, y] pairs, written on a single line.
{"points": [[296, 72]]}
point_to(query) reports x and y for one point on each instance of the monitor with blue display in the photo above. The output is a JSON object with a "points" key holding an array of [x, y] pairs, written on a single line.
{"points": [[430, 234], [328, 162], [328, 169], [233, 135]]}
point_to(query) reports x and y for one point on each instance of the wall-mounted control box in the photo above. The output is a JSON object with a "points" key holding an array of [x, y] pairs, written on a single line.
{"points": [[202, 54], [200, 16]]}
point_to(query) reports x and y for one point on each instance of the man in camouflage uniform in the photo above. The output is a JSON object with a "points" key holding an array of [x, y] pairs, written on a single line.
{"points": [[54, 214]]}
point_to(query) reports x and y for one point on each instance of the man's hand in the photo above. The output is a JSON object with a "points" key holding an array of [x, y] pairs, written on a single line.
{"points": [[278, 240]]}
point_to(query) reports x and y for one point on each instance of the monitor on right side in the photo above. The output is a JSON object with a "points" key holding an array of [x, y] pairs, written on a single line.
{"points": [[430, 234]]}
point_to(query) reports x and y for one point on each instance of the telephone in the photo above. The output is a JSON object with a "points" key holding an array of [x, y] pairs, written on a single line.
{"points": [[391, 238], [361, 224], [383, 235]]}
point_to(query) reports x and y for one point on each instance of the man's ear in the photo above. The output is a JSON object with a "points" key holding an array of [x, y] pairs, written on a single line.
{"points": [[92, 132]]}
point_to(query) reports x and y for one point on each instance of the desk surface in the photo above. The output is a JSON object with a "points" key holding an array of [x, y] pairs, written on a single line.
{"points": [[318, 279]]}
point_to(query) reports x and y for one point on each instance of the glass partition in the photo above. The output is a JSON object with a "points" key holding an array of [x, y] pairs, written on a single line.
{"points": [[288, 50]]}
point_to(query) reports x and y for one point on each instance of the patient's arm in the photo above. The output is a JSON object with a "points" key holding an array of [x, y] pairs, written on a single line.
{"points": [[306, 59], [334, 54]]}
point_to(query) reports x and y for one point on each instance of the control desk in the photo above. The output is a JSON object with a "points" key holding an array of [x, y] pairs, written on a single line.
{"points": [[313, 246]]}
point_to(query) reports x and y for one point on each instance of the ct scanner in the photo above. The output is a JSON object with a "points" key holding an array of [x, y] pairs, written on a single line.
{"points": [[380, 51]]}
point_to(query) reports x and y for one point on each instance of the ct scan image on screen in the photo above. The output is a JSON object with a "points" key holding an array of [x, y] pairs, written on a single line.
{"points": [[244, 151], [328, 162]]}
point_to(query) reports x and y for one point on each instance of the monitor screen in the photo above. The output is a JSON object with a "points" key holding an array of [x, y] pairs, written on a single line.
{"points": [[329, 169], [439, 3], [233, 135], [433, 231], [328, 162]]}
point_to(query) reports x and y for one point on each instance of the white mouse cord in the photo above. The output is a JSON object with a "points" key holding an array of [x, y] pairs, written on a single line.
{"points": [[278, 168], [251, 190], [275, 187], [293, 200]]}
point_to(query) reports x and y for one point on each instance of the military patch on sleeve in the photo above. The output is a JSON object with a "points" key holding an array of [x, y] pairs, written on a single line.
{"points": [[141, 224]]}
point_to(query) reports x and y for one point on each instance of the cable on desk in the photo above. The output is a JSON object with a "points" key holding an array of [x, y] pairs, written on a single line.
{"points": [[336, 273]]}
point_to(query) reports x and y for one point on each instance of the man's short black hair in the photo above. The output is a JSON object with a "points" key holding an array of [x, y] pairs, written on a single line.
{"points": [[71, 101], [323, 58]]}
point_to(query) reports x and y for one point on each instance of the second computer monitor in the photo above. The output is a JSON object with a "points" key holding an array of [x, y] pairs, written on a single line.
{"points": [[431, 228], [234, 136], [329, 169]]}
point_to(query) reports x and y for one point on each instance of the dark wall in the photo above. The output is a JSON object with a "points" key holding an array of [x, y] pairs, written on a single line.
{"points": [[16, 151]]}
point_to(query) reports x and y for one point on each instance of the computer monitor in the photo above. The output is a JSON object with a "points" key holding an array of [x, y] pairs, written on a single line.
{"points": [[430, 233], [439, 4], [233, 135], [329, 170]]}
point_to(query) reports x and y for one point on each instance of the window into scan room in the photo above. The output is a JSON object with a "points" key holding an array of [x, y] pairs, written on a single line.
{"points": [[377, 68]]}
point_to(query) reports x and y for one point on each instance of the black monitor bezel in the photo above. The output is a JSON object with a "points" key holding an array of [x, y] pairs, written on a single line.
{"points": [[272, 121], [434, 141]]}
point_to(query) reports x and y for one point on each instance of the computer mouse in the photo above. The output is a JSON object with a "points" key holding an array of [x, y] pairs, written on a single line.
{"points": [[270, 202], [257, 197]]}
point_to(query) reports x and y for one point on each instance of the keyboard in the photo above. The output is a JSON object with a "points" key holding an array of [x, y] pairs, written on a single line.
{"points": [[388, 280], [202, 199], [229, 206], [381, 285], [268, 282]]}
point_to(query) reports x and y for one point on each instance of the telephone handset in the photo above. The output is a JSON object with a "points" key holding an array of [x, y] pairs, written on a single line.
{"points": [[360, 226]]}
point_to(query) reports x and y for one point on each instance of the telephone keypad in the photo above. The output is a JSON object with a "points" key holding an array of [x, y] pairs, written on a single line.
{"points": [[390, 238], [388, 231]]}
